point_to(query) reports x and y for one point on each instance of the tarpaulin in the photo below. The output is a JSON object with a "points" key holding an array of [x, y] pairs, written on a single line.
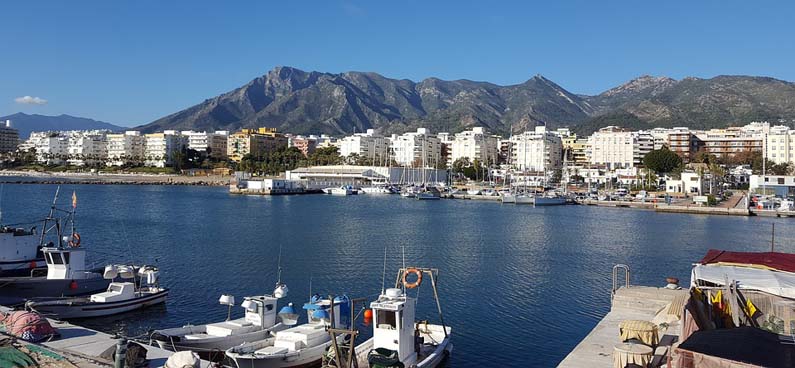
{"points": [[771, 260], [768, 281]]}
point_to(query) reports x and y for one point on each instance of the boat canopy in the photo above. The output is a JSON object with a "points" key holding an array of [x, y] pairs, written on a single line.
{"points": [[766, 260], [748, 278]]}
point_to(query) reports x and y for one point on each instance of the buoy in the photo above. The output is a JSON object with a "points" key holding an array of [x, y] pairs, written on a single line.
{"points": [[73, 285], [368, 313]]}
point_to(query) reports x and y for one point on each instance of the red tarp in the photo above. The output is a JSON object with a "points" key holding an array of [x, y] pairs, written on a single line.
{"points": [[774, 260]]}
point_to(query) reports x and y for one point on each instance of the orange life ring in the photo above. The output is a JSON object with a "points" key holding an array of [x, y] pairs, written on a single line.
{"points": [[412, 285], [75, 241]]}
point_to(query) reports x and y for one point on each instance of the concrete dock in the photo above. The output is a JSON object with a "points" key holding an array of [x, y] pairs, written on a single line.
{"points": [[80, 347], [631, 303]]}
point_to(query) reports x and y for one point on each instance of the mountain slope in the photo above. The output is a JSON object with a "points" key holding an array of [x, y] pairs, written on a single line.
{"points": [[311, 102], [296, 101], [26, 123]]}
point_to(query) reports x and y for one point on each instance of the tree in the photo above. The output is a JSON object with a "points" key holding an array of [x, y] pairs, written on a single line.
{"points": [[704, 157], [662, 160]]}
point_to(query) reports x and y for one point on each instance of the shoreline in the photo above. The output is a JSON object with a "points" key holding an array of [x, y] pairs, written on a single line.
{"points": [[36, 177]]}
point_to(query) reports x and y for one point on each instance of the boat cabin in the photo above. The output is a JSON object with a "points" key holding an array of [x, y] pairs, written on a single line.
{"points": [[260, 314], [18, 244], [65, 263], [393, 324], [117, 291]]}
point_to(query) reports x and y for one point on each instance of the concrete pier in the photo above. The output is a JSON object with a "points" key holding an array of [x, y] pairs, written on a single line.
{"points": [[630, 303]]}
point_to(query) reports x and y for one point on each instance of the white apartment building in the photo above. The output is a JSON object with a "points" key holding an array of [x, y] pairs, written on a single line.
{"points": [[87, 147], [617, 148], [539, 150], [51, 148], [780, 145], [368, 145], [214, 143], [159, 148], [416, 149], [125, 148], [474, 144], [9, 137]]}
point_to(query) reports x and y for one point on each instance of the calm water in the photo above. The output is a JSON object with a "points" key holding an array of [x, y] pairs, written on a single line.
{"points": [[518, 284]]}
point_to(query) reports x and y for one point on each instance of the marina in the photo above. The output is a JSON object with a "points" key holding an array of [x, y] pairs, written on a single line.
{"points": [[533, 258]]}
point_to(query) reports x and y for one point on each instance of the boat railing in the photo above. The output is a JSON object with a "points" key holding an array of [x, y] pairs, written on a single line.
{"points": [[616, 270], [37, 272]]}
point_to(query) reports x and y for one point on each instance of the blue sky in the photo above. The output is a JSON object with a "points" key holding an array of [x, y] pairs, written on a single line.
{"points": [[130, 62]]}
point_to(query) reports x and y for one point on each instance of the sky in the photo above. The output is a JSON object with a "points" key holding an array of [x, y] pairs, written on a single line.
{"points": [[132, 62]]}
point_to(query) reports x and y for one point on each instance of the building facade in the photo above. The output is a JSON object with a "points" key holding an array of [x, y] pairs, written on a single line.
{"points": [[211, 144], [475, 144], [538, 151], [416, 149], [125, 148], [87, 147], [255, 142], [370, 146], [160, 148], [9, 138]]}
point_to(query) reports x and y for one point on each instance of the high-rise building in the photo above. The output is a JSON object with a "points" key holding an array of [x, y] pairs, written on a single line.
{"points": [[370, 146], [87, 147], [780, 145], [538, 150], [475, 144], [212, 144], [9, 138], [125, 148], [616, 148], [255, 142], [416, 149], [160, 148]]}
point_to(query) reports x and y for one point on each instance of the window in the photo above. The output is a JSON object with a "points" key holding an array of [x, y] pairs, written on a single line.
{"points": [[386, 320], [269, 307], [66, 257], [56, 258], [781, 181]]}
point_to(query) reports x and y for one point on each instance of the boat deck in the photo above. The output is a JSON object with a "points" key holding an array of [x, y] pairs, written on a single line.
{"points": [[632, 303]]}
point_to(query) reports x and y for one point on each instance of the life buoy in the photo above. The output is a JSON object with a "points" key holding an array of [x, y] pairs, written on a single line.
{"points": [[412, 285], [75, 241]]}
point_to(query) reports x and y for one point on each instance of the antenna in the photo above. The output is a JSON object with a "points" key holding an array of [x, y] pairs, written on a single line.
{"points": [[383, 275], [279, 268], [310, 286], [2, 186]]}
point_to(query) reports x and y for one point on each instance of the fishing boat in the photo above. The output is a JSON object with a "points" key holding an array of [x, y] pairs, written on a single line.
{"points": [[399, 339], [299, 346], [120, 297], [258, 323], [65, 274], [20, 251]]}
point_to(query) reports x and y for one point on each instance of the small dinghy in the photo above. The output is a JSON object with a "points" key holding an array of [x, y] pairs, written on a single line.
{"points": [[299, 346], [258, 323], [120, 297]]}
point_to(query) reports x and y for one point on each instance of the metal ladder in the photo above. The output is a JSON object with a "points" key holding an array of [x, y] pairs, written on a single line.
{"points": [[616, 268]]}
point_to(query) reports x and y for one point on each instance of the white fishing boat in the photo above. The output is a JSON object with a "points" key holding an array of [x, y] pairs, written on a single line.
{"points": [[299, 346], [120, 297], [343, 190], [20, 251], [258, 323], [399, 339]]}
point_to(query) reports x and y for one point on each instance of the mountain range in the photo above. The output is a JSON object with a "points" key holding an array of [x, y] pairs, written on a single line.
{"points": [[27, 123], [302, 102]]}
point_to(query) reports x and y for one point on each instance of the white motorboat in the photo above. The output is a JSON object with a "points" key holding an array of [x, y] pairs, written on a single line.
{"points": [[20, 251], [299, 346], [258, 323], [508, 198], [473, 192], [343, 190], [119, 298], [378, 189], [399, 339], [524, 199]]}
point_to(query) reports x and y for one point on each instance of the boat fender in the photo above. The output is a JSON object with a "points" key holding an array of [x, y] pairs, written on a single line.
{"points": [[73, 285], [412, 285], [32, 264], [75, 241]]}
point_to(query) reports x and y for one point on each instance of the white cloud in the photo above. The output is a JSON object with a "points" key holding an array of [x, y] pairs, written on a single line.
{"points": [[30, 100]]}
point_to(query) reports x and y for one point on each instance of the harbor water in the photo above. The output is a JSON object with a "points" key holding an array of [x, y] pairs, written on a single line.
{"points": [[520, 286]]}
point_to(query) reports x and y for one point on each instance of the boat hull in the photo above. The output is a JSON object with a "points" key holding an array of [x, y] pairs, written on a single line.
{"points": [[80, 307], [20, 267], [173, 339], [16, 290], [432, 354], [508, 198], [545, 201], [426, 197], [521, 199], [307, 357]]}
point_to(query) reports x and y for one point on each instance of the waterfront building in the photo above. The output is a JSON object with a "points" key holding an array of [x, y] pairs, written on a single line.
{"points": [[779, 185], [416, 149], [539, 150], [475, 144], [255, 142], [445, 148], [125, 148], [306, 145], [212, 142], [160, 148], [87, 147], [660, 137], [780, 145], [683, 142], [505, 154], [618, 148], [51, 148], [369, 145], [689, 183], [319, 177], [9, 137]]}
